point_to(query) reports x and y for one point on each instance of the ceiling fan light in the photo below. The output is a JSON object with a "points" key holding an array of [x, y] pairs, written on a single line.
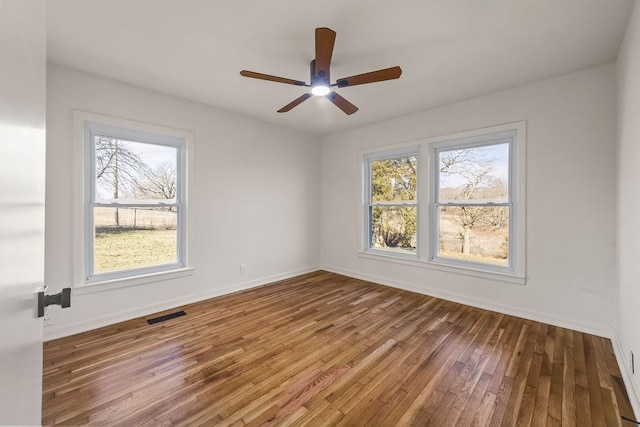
{"points": [[320, 90]]}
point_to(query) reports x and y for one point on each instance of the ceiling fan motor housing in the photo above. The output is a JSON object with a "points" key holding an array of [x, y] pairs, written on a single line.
{"points": [[323, 78]]}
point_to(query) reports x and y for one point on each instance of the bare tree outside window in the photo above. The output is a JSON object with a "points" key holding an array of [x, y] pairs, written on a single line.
{"points": [[473, 204], [118, 168], [160, 182], [143, 232]]}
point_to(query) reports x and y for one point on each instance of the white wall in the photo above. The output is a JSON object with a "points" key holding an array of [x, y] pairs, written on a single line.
{"points": [[570, 200], [628, 331], [256, 199]]}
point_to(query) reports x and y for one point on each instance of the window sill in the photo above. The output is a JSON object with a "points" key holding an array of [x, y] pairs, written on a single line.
{"points": [[108, 285], [465, 271]]}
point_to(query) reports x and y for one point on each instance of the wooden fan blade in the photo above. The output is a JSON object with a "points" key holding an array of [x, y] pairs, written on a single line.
{"points": [[342, 103], [372, 77], [261, 76], [295, 103], [325, 39]]}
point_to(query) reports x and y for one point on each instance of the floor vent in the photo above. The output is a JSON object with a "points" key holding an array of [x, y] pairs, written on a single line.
{"points": [[166, 317]]}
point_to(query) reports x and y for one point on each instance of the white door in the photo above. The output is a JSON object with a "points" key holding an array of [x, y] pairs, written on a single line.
{"points": [[22, 182]]}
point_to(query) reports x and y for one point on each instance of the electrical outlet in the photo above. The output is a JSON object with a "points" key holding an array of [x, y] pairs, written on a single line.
{"points": [[243, 268], [633, 364]]}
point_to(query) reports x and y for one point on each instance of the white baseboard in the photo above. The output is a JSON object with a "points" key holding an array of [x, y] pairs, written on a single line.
{"points": [[60, 331], [625, 368], [551, 319]]}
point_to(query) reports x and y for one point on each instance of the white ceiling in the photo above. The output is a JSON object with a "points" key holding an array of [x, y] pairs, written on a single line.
{"points": [[449, 50]]}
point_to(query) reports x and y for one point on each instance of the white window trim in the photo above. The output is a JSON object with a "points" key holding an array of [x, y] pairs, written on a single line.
{"points": [[82, 122], [385, 155], [425, 256]]}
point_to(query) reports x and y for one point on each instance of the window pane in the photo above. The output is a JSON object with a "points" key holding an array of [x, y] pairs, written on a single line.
{"points": [[127, 238], [394, 228], [134, 170], [478, 174], [476, 233], [394, 180]]}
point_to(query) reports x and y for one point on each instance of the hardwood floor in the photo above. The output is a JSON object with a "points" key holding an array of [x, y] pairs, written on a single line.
{"points": [[324, 349]]}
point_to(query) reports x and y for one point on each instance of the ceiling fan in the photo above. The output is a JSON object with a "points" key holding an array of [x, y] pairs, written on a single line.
{"points": [[320, 82]]}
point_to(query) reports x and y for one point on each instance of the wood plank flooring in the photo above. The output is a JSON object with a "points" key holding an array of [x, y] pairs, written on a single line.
{"points": [[324, 349]]}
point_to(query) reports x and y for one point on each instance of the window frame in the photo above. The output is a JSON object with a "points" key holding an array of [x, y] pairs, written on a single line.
{"points": [[88, 125], [413, 151], [487, 140], [427, 160]]}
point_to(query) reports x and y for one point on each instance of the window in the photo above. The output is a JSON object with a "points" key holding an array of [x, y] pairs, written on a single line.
{"points": [[474, 182], [473, 202], [135, 200], [392, 201]]}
